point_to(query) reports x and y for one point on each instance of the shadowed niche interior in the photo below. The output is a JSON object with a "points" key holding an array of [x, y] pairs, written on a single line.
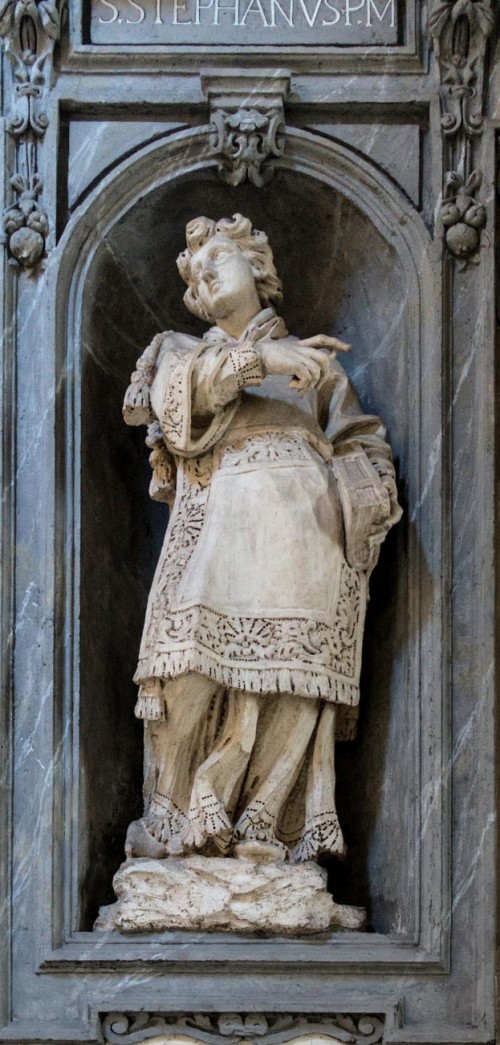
{"points": [[340, 277]]}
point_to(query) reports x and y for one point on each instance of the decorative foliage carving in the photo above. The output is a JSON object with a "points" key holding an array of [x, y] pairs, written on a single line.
{"points": [[461, 215], [244, 141], [460, 30], [26, 223], [30, 29], [247, 121], [232, 1028]]}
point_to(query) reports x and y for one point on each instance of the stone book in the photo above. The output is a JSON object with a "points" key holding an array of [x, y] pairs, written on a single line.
{"points": [[365, 507]]}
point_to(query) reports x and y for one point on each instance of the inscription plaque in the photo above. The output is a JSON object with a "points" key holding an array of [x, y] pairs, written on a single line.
{"points": [[365, 23]]}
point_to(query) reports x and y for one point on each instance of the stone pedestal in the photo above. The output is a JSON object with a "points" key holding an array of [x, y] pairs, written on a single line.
{"points": [[215, 894]]}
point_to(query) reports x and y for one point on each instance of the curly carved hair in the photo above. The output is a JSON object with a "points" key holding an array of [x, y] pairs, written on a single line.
{"points": [[252, 243]]}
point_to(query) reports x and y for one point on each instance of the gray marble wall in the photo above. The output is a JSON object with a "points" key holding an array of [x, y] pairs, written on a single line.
{"points": [[352, 213]]}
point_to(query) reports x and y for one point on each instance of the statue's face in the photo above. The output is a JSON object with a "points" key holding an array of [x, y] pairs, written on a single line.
{"points": [[223, 277]]}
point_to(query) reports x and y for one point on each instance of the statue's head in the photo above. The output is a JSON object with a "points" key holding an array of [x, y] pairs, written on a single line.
{"points": [[225, 262]]}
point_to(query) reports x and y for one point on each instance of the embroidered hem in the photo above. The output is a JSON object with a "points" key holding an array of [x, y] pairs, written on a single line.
{"points": [[301, 682]]}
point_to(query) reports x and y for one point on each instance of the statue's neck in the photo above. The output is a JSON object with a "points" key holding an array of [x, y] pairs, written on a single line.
{"points": [[236, 323]]}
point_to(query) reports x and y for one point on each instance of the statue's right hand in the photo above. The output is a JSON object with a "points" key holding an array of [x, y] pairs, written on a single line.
{"points": [[307, 366]]}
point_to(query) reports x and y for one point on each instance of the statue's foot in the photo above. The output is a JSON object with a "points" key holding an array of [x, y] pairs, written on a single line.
{"points": [[346, 917], [257, 839], [139, 842], [261, 850], [219, 844]]}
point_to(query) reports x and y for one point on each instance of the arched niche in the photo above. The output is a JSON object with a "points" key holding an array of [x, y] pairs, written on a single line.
{"points": [[352, 254]]}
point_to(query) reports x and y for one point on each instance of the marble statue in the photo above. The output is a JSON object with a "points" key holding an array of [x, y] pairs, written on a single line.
{"points": [[281, 492]]}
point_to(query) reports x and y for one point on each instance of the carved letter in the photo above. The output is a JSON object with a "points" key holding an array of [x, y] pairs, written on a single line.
{"points": [[106, 21], [142, 13], [311, 20], [336, 15], [371, 5], [233, 6], [350, 8], [158, 20], [180, 5], [257, 4], [275, 5], [201, 7]]}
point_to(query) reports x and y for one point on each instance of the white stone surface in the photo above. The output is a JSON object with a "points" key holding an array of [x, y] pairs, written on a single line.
{"points": [[213, 893], [283, 492]]}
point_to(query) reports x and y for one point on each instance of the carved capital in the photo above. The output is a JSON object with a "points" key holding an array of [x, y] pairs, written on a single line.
{"points": [[236, 1028], [247, 121]]}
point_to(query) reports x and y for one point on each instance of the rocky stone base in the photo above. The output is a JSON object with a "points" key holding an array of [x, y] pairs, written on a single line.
{"points": [[224, 894]]}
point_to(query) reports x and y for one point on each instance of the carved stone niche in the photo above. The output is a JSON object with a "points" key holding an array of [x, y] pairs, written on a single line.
{"points": [[347, 270]]}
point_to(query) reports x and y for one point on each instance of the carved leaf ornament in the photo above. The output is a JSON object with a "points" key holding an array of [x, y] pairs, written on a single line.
{"points": [[460, 29], [30, 29], [235, 1028], [25, 222], [461, 215], [244, 141]]}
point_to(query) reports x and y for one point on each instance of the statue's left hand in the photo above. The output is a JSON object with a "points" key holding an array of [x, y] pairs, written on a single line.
{"points": [[381, 529], [328, 346], [333, 344], [307, 362], [395, 508]]}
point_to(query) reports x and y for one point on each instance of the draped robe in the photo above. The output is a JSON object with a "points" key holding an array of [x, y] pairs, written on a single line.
{"points": [[251, 652]]}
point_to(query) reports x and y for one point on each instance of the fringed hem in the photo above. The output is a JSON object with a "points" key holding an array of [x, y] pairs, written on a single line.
{"points": [[321, 835], [150, 708], [150, 701], [301, 682]]}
